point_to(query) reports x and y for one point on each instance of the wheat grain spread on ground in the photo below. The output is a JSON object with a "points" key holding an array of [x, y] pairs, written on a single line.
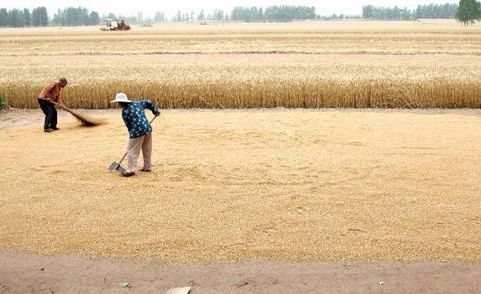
{"points": [[227, 185]]}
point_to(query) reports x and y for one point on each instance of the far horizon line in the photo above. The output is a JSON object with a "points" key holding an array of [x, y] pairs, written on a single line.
{"points": [[173, 12]]}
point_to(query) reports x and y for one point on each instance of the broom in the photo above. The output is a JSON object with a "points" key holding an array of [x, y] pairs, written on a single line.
{"points": [[85, 120]]}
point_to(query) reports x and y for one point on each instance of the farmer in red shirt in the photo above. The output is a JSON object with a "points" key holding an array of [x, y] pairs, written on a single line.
{"points": [[50, 94]]}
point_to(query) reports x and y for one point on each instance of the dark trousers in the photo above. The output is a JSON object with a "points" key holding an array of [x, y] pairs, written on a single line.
{"points": [[50, 114]]}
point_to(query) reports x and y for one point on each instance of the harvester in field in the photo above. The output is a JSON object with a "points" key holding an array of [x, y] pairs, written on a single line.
{"points": [[115, 25]]}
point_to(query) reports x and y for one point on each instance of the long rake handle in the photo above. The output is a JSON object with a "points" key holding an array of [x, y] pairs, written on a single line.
{"points": [[63, 106], [123, 157]]}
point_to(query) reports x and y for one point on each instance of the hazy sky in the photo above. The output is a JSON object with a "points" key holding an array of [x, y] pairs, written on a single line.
{"points": [[127, 8]]}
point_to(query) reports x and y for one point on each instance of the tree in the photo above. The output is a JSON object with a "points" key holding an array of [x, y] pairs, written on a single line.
{"points": [[26, 16], [201, 16], [273, 13], [368, 11], [3, 17], [468, 11], [73, 17], [39, 17], [58, 18], [218, 15], [15, 18], [159, 17], [422, 11], [79, 16], [94, 18]]}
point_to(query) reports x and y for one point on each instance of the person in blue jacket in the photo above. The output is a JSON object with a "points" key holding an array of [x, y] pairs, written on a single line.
{"points": [[140, 131]]}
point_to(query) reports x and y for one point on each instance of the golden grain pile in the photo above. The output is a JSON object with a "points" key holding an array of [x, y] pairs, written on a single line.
{"points": [[231, 185], [314, 64]]}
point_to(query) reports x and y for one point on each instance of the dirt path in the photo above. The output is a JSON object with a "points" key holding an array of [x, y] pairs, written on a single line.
{"points": [[67, 274]]}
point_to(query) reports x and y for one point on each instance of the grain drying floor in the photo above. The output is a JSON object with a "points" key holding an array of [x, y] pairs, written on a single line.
{"points": [[227, 185]]}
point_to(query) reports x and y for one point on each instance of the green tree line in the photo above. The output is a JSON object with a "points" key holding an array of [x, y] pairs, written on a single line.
{"points": [[75, 17], [38, 17], [467, 11], [282, 13], [447, 11], [17, 18]]}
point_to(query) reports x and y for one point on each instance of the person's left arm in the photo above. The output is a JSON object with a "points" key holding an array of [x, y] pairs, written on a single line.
{"points": [[150, 105]]}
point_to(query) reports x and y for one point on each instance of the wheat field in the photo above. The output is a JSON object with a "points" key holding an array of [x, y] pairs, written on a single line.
{"points": [[357, 64]]}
